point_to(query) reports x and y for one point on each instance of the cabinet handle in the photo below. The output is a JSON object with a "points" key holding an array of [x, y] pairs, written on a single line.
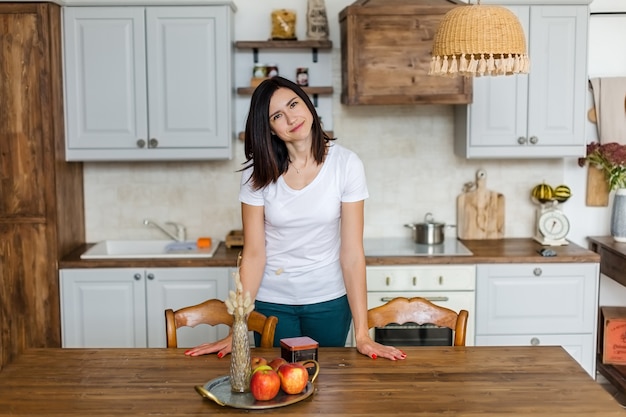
{"points": [[437, 298], [535, 341], [137, 277], [387, 281], [386, 299], [534, 140], [440, 279], [150, 277], [537, 272], [153, 143], [141, 143], [521, 140], [414, 281]]}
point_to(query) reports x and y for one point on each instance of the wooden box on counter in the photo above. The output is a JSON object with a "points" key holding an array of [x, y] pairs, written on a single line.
{"points": [[612, 337], [386, 53]]}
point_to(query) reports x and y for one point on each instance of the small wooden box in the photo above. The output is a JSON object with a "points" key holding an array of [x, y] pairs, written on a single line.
{"points": [[386, 54], [296, 349], [612, 338], [234, 239]]}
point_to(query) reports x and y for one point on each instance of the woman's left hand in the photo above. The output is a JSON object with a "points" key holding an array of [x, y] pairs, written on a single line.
{"points": [[374, 350]]}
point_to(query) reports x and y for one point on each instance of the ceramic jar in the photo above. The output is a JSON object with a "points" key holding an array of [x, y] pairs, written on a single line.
{"points": [[618, 216]]}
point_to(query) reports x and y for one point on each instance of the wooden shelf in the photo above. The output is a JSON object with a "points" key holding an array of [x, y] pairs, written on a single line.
{"points": [[308, 90], [307, 44], [241, 135], [615, 374]]}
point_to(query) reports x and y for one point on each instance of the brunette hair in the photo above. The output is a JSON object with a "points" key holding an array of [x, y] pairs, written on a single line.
{"points": [[266, 152]]}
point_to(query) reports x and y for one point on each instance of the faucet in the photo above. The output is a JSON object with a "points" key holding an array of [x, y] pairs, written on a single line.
{"points": [[181, 232]]}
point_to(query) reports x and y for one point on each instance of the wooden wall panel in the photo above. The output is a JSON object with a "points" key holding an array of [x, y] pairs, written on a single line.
{"points": [[41, 196]]}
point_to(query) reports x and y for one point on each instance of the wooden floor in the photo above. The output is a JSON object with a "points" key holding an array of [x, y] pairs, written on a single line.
{"points": [[620, 397]]}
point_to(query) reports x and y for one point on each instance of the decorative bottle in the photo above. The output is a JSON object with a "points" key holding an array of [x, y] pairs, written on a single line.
{"points": [[240, 306], [240, 368]]}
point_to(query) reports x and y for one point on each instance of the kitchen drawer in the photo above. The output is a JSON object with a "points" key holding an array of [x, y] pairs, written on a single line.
{"points": [[527, 299], [421, 278], [579, 346]]}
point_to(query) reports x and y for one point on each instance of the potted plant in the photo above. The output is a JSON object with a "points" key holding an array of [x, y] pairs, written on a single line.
{"points": [[610, 159]]}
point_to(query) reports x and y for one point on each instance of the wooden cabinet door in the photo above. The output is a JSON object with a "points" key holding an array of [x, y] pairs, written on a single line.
{"points": [[181, 287], [41, 199], [103, 308], [24, 141], [105, 78]]}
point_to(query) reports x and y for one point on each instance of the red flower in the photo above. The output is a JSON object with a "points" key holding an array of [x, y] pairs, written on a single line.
{"points": [[611, 159]]}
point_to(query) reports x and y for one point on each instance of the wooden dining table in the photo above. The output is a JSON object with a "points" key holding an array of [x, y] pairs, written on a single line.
{"points": [[441, 381]]}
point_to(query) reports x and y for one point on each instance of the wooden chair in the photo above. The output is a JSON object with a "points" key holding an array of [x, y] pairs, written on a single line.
{"points": [[419, 310], [214, 312]]}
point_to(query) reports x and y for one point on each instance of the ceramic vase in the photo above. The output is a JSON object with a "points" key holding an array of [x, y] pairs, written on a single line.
{"points": [[240, 368], [618, 216]]}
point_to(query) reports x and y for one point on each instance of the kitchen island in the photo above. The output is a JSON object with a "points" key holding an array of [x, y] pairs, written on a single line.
{"points": [[455, 381]]}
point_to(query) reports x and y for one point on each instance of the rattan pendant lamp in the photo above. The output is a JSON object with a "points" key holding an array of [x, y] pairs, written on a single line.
{"points": [[476, 40]]}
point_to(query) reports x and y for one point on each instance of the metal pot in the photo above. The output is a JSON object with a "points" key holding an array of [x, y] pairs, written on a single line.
{"points": [[428, 233]]}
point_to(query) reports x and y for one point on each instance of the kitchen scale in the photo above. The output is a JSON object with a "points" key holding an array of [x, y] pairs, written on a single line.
{"points": [[551, 225]]}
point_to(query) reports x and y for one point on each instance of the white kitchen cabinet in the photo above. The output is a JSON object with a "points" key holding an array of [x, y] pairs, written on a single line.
{"points": [[148, 83], [125, 307], [450, 286], [540, 304], [535, 115]]}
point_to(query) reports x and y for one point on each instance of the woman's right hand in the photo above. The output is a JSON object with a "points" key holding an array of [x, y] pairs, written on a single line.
{"points": [[221, 347]]}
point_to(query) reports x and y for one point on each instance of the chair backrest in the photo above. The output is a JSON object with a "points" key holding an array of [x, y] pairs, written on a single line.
{"points": [[419, 310], [214, 312]]}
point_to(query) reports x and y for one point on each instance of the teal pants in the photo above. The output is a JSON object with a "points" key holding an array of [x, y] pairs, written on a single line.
{"points": [[328, 323]]}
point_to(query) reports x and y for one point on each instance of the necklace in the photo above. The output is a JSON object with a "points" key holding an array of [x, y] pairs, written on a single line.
{"points": [[297, 169]]}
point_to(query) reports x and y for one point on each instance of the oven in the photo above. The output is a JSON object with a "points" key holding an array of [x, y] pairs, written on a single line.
{"points": [[451, 286]]}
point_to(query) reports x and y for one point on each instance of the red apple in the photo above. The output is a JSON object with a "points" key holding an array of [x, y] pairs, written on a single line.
{"points": [[257, 361], [277, 362], [264, 383], [293, 377]]}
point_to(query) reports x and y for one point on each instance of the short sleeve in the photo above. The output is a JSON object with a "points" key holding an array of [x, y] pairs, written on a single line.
{"points": [[247, 194], [355, 188]]}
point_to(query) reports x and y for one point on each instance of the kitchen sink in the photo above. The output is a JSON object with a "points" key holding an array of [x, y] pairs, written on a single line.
{"points": [[146, 249]]}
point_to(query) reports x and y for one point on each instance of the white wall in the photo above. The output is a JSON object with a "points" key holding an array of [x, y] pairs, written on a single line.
{"points": [[407, 152]]}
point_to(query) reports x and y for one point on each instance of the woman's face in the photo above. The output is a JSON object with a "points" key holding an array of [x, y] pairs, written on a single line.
{"points": [[290, 118]]}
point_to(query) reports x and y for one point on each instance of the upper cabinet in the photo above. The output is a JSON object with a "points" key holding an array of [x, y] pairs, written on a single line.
{"points": [[148, 83], [386, 53], [541, 114]]}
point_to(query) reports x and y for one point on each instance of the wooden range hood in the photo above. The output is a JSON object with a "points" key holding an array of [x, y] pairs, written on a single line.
{"points": [[386, 52]]}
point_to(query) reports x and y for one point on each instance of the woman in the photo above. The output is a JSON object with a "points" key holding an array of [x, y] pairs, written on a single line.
{"points": [[302, 199]]}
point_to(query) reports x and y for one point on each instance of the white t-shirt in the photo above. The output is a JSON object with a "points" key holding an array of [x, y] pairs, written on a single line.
{"points": [[302, 230]]}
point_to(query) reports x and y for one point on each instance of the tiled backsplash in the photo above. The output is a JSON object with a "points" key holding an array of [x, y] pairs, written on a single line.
{"points": [[408, 157]]}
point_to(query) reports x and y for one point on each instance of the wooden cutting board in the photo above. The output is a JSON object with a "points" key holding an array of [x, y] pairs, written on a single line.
{"points": [[480, 212]]}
